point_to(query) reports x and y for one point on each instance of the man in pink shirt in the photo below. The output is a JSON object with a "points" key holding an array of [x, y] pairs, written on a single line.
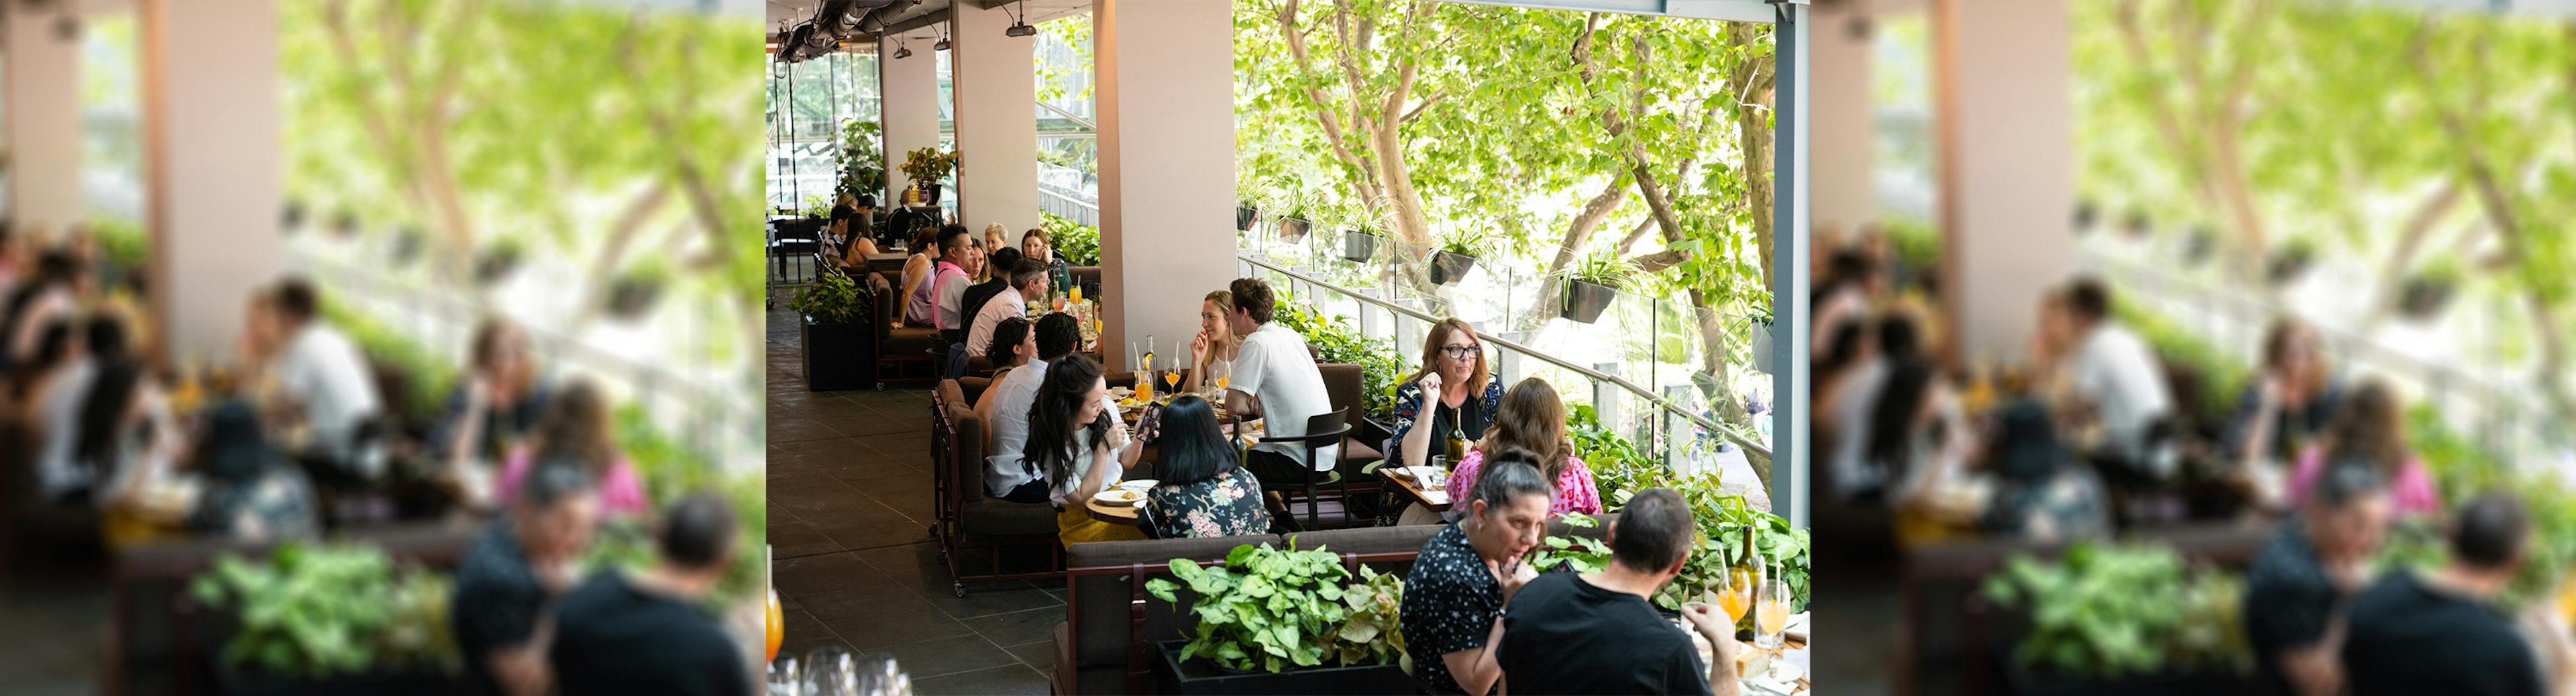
{"points": [[923, 306]]}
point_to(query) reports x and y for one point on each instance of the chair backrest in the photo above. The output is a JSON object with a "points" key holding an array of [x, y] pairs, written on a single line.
{"points": [[882, 294], [1342, 385], [967, 443]]}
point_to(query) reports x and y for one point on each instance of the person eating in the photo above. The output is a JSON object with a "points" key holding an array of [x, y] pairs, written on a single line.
{"points": [[1627, 646], [1454, 595]]}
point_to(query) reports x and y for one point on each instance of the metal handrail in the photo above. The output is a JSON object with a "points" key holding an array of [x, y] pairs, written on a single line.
{"points": [[1660, 402]]}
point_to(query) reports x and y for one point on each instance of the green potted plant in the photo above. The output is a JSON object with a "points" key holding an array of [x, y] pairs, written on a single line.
{"points": [[1293, 227], [499, 259], [836, 312], [1272, 621], [862, 166], [407, 245], [1759, 316], [1361, 240], [1457, 255], [1590, 286], [2140, 225], [2087, 213], [925, 167], [1246, 212], [2428, 291], [315, 618], [2119, 619], [633, 293], [2291, 260], [2197, 248]]}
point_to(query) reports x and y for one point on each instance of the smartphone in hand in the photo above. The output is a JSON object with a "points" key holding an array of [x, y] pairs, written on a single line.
{"points": [[1146, 424]]}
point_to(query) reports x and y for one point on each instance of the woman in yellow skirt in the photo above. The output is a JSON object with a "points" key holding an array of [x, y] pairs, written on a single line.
{"points": [[1078, 441]]}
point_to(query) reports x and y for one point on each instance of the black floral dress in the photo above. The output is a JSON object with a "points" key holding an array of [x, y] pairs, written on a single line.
{"points": [[1413, 408], [1227, 504]]}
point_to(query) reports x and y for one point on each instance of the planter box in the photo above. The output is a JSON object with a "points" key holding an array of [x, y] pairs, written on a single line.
{"points": [[1292, 229], [2287, 266], [1358, 246], [1448, 267], [839, 356], [1584, 301], [1199, 676], [2424, 299], [2027, 683], [630, 299], [1244, 217]]}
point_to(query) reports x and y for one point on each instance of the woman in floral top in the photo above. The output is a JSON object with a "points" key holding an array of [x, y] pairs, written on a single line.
{"points": [[1204, 492], [1532, 418], [1455, 390]]}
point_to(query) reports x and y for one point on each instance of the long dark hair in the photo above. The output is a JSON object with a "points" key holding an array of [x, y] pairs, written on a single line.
{"points": [[52, 342], [1531, 418], [1193, 448], [2367, 427], [575, 426], [102, 414], [1051, 437], [1007, 336], [1891, 423]]}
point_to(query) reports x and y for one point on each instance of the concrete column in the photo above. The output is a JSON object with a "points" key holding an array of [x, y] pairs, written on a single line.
{"points": [[911, 101], [212, 148], [42, 80], [2006, 129], [996, 85], [1164, 80], [1844, 191]]}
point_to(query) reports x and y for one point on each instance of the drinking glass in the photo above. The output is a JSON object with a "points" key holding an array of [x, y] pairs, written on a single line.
{"points": [[786, 677], [1737, 597], [1771, 614]]}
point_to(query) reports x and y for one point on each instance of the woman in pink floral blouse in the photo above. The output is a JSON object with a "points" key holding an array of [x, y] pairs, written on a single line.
{"points": [[1532, 418]]}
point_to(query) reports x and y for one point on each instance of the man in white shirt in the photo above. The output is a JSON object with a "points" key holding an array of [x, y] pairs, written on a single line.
{"points": [[1275, 377], [323, 373], [1029, 282], [1006, 476], [2115, 372]]}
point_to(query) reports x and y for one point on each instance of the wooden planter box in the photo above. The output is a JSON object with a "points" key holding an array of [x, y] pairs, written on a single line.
{"points": [[1292, 229], [1584, 301], [1199, 676], [1448, 267], [839, 356]]}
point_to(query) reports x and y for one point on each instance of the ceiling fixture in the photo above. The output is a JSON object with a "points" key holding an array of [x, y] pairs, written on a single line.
{"points": [[902, 51], [943, 40], [1020, 26]]}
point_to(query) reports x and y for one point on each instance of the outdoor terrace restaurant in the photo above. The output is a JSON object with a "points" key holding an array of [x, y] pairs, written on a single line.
{"points": [[1099, 364]]}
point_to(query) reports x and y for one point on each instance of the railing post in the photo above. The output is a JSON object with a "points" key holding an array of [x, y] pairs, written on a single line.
{"points": [[1605, 396]]}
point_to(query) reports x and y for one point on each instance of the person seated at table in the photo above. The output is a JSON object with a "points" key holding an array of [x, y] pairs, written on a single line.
{"points": [[2288, 404], [496, 402], [250, 493], [1532, 418], [51, 295], [1036, 244], [1080, 446], [320, 374], [1848, 378], [995, 281], [651, 633], [2369, 428], [2116, 376], [2442, 633], [1277, 379], [1456, 392], [1203, 491], [995, 239], [1015, 343], [1627, 646], [59, 377], [1021, 284], [132, 445], [954, 313], [502, 607], [946, 281], [576, 430], [2041, 494], [2297, 587], [1214, 349], [1452, 614], [856, 243], [1007, 474], [917, 271]]}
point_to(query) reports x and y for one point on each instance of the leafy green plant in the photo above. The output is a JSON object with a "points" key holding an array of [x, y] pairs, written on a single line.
{"points": [[314, 611], [2106, 611], [1340, 341], [1263, 609], [1616, 464], [1603, 268], [1587, 555], [1724, 520], [832, 299], [122, 242], [1373, 632], [818, 206], [1076, 243], [929, 164], [862, 165], [1466, 241]]}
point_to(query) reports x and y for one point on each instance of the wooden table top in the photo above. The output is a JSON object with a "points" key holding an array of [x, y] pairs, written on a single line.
{"points": [[1424, 498]]}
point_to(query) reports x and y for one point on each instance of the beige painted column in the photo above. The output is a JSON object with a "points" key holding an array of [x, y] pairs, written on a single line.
{"points": [[910, 86], [2007, 168], [211, 138], [42, 81], [995, 81], [1164, 79], [1842, 188]]}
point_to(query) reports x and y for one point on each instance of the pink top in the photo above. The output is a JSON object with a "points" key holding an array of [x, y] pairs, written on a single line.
{"points": [[1574, 489], [621, 494], [2411, 494]]}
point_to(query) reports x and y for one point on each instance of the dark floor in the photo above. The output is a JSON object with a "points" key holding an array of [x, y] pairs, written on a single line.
{"points": [[53, 631], [849, 519]]}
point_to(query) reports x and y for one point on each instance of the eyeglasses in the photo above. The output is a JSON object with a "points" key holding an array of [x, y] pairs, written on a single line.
{"points": [[1460, 352]]}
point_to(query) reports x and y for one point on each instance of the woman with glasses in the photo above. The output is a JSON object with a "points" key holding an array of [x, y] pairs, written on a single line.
{"points": [[1456, 392]]}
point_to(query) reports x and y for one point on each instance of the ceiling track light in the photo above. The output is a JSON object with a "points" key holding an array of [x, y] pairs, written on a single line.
{"points": [[1020, 25]]}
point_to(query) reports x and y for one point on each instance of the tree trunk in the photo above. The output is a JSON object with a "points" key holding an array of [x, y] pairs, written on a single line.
{"points": [[1753, 129]]}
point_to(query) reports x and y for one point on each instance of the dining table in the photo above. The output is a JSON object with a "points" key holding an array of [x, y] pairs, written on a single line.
{"points": [[1434, 498]]}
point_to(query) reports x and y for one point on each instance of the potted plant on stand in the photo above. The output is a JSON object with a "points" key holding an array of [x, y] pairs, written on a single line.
{"points": [[1360, 242], [2429, 290], [862, 168], [1591, 285], [1246, 212], [1293, 227], [633, 294], [926, 167], [836, 329], [1272, 621], [499, 260], [2291, 261], [315, 619], [1456, 256]]}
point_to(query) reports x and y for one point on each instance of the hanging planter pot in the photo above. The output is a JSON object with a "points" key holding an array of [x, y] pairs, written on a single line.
{"points": [[290, 217], [2138, 225], [2086, 215], [1244, 216], [2426, 293], [1358, 246], [407, 245], [1762, 359], [2197, 248], [497, 263], [2290, 262], [1293, 228], [346, 224], [1585, 300], [632, 296], [1448, 267]]}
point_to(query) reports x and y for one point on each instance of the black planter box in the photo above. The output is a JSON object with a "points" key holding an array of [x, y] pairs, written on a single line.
{"points": [[2288, 266], [2423, 299], [1448, 267], [839, 356], [1199, 676], [1358, 246], [1584, 301], [2027, 683], [1244, 217], [631, 298], [1292, 229]]}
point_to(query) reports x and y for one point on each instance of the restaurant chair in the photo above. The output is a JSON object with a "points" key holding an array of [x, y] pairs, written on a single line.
{"points": [[900, 348], [969, 519], [1321, 431], [1343, 384]]}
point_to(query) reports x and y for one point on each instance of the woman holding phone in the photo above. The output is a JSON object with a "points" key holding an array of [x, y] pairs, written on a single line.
{"points": [[1077, 443]]}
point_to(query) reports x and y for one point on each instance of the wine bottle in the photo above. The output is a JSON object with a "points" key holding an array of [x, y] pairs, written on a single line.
{"points": [[1457, 445]]}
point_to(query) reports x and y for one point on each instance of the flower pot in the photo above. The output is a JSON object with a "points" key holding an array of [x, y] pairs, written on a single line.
{"points": [[2197, 248], [929, 194], [630, 298], [1244, 216], [839, 356], [1358, 246], [290, 217], [495, 265], [2086, 214], [1448, 267], [2422, 299], [2288, 265], [346, 224], [1762, 358], [1202, 676], [1584, 300], [1292, 229]]}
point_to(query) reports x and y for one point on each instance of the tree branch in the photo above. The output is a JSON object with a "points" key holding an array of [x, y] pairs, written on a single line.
{"points": [[1417, 110], [1365, 175], [1661, 260]]}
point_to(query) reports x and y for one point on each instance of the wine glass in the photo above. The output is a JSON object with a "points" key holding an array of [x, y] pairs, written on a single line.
{"points": [[786, 677], [1770, 616], [1737, 597], [1172, 379]]}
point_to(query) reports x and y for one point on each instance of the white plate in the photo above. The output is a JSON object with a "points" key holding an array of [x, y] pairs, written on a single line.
{"points": [[1783, 677], [1114, 496], [1138, 485]]}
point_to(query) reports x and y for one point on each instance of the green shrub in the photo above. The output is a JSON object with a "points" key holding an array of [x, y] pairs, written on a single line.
{"points": [[2107, 611], [1077, 244], [314, 611]]}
